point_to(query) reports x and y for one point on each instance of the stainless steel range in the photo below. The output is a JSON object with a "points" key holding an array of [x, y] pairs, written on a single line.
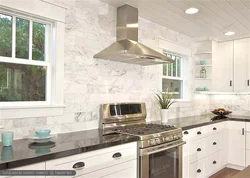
{"points": [[159, 146]]}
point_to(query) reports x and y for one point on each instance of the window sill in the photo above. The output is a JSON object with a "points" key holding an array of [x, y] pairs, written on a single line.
{"points": [[13, 112]]}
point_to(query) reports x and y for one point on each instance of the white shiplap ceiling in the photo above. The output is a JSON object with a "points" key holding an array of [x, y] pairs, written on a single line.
{"points": [[215, 17]]}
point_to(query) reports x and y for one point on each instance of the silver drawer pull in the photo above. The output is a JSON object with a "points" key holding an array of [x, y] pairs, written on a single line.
{"points": [[79, 165]]}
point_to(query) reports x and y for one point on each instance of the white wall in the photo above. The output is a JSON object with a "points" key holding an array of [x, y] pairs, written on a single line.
{"points": [[90, 27]]}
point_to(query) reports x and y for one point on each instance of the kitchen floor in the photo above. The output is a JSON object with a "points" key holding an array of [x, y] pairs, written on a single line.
{"points": [[225, 173]]}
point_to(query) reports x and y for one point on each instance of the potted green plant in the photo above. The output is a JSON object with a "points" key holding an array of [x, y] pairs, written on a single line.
{"points": [[165, 100]]}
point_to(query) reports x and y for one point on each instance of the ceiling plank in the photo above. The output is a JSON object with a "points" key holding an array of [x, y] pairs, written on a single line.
{"points": [[240, 7], [226, 7]]}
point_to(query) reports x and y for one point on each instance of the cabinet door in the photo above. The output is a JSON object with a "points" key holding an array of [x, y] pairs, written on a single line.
{"points": [[223, 67], [241, 61], [236, 143]]}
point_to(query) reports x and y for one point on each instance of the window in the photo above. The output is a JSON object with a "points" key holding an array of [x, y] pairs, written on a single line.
{"points": [[172, 76], [24, 59]]}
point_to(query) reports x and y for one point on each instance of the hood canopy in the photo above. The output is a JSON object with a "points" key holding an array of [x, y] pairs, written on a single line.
{"points": [[127, 48]]}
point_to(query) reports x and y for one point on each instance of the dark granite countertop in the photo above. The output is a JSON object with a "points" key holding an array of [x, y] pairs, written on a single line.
{"points": [[197, 121], [22, 153]]}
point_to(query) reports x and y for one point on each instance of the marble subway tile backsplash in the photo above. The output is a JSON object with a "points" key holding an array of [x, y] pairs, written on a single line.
{"points": [[89, 82]]}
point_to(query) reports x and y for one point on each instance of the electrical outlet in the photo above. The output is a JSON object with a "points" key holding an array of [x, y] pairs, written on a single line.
{"points": [[1, 125]]}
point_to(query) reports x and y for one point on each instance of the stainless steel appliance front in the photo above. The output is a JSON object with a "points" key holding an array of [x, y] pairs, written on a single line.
{"points": [[161, 161]]}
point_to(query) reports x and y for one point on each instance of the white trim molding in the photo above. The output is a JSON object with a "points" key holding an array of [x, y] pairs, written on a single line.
{"points": [[55, 15], [36, 111], [35, 8]]}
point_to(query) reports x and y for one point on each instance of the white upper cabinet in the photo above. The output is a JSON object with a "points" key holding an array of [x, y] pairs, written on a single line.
{"points": [[241, 65], [223, 67]]}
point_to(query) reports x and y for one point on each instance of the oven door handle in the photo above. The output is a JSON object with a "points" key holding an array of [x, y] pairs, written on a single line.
{"points": [[165, 148]]}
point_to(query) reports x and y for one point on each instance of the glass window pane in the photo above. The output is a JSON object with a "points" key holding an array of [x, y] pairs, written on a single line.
{"points": [[22, 38], [38, 41], [5, 35], [174, 86], [24, 82], [169, 70], [178, 67], [174, 69], [164, 69]]}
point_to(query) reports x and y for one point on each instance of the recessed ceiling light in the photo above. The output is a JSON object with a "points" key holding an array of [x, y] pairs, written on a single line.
{"points": [[191, 10], [229, 33]]}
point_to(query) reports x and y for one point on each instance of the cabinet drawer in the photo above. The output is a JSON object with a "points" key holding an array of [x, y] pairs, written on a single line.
{"points": [[124, 170], [213, 143], [206, 167], [95, 160], [198, 169], [216, 127], [197, 150], [187, 134], [213, 163]]}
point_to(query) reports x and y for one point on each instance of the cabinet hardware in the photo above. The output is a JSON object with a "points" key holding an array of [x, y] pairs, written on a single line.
{"points": [[248, 82], [243, 131], [199, 171], [186, 132], [79, 165], [214, 143], [198, 133], [117, 155], [214, 162], [199, 149], [231, 83], [214, 128]]}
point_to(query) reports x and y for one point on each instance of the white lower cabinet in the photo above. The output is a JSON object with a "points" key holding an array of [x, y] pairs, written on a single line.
{"points": [[204, 155], [124, 170], [236, 143], [109, 162]]}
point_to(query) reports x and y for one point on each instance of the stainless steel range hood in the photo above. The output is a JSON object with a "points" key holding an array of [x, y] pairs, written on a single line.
{"points": [[127, 48]]}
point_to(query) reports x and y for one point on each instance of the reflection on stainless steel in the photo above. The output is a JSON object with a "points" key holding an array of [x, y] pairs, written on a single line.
{"points": [[127, 48], [160, 146]]}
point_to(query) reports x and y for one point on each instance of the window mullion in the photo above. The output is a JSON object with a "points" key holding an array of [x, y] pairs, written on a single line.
{"points": [[30, 39], [13, 37]]}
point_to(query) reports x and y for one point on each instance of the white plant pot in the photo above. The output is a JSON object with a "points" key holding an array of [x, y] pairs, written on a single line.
{"points": [[164, 115]]}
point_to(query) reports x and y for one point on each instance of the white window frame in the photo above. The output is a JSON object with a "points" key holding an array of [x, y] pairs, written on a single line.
{"points": [[48, 56], [174, 78], [53, 14]]}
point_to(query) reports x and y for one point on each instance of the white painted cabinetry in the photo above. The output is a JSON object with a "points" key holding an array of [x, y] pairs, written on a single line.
{"points": [[241, 65], [101, 163], [204, 151], [212, 147], [223, 67], [235, 135], [231, 66]]}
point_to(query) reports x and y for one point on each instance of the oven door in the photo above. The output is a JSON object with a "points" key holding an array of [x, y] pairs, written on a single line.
{"points": [[162, 161]]}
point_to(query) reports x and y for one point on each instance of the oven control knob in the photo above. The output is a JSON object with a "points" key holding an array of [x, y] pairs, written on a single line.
{"points": [[152, 142], [167, 139], [158, 141]]}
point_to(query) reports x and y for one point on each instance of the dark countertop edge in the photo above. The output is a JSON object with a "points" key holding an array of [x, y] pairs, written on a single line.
{"points": [[61, 154], [214, 122]]}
